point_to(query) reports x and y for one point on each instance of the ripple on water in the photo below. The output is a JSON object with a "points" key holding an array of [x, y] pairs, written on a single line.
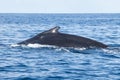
{"points": [[43, 62]]}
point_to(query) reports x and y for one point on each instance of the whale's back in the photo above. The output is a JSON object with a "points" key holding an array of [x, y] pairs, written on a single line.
{"points": [[67, 40], [53, 37]]}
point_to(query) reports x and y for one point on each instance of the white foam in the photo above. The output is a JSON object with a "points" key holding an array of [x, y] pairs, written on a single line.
{"points": [[38, 45], [32, 45], [113, 50], [83, 48], [14, 45], [67, 49]]}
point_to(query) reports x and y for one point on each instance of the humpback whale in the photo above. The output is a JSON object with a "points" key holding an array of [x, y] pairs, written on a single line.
{"points": [[56, 38]]}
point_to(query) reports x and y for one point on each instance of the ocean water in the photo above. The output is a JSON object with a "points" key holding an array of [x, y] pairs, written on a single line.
{"points": [[40, 62]]}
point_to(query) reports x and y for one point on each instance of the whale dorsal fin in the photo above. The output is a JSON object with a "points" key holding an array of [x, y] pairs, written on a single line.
{"points": [[53, 30]]}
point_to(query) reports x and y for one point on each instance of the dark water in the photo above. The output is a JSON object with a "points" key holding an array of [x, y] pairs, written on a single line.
{"points": [[39, 62]]}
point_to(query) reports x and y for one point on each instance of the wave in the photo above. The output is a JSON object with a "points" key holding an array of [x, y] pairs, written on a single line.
{"points": [[110, 49], [68, 49], [31, 45]]}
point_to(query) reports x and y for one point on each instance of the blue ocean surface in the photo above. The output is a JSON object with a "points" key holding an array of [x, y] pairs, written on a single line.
{"points": [[40, 62]]}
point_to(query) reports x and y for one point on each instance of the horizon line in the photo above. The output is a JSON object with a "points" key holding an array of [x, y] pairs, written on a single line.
{"points": [[53, 13]]}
